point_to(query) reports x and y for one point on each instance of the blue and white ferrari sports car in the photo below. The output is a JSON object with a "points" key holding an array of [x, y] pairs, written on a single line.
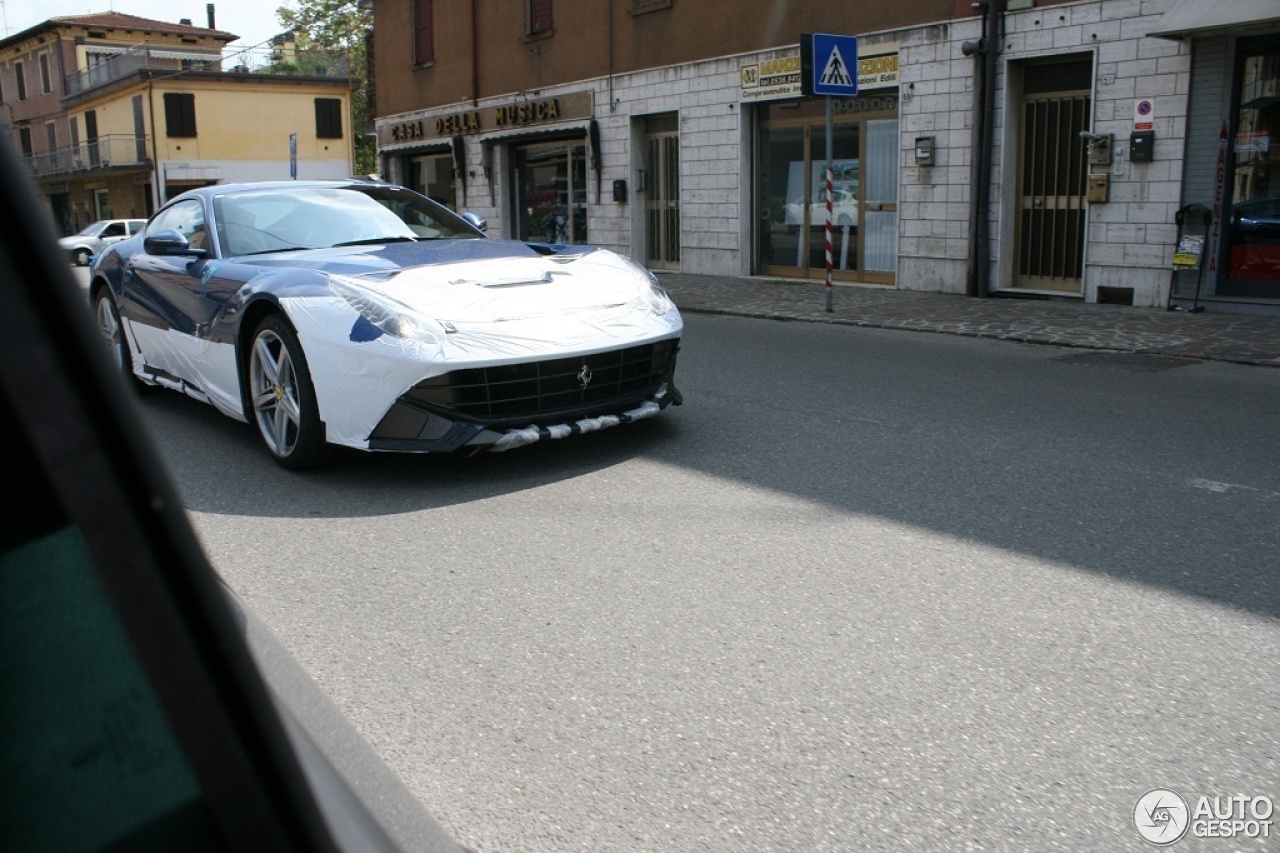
{"points": [[364, 315]]}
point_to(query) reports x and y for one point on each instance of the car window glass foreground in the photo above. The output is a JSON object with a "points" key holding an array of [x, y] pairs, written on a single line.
{"points": [[135, 715], [97, 763]]}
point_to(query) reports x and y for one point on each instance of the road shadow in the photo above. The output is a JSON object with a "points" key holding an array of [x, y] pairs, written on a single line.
{"points": [[220, 466], [1098, 463]]}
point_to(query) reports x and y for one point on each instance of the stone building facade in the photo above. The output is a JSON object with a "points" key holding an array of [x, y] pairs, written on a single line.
{"points": [[1103, 131]]}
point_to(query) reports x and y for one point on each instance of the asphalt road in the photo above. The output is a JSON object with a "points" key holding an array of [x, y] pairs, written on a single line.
{"points": [[866, 590]]}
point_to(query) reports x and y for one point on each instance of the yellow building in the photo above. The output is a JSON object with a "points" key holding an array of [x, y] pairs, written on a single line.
{"points": [[115, 114]]}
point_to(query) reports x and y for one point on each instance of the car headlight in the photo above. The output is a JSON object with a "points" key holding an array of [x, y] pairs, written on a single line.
{"points": [[386, 314], [653, 292]]}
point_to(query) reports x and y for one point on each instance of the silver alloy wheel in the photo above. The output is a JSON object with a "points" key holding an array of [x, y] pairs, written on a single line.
{"points": [[109, 325], [273, 386], [83, 256]]}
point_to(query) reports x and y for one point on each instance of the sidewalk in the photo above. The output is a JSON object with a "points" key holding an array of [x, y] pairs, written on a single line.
{"points": [[1245, 339]]}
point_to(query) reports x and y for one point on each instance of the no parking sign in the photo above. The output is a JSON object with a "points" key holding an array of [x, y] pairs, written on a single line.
{"points": [[1144, 114]]}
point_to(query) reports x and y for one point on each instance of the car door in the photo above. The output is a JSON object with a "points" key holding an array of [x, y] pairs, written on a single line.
{"points": [[171, 300]]}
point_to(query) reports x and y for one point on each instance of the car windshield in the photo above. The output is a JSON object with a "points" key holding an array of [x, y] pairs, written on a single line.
{"points": [[92, 228], [289, 219]]}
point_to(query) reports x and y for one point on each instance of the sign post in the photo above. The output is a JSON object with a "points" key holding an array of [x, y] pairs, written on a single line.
{"points": [[829, 67], [293, 156]]}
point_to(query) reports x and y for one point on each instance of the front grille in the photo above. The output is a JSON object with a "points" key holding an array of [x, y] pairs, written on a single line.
{"points": [[544, 391]]}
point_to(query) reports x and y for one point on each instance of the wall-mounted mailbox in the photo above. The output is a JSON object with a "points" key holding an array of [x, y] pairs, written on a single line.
{"points": [[620, 190], [924, 150], [1142, 146], [1099, 188]]}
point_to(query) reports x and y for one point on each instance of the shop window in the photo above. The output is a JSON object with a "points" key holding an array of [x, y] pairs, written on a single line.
{"points": [[537, 17], [424, 47], [328, 118], [180, 114], [1253, 213], [551, 192], [432, 175]]}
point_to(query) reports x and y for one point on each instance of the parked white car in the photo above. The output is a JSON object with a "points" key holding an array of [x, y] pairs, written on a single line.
{"points": [[97, 236], [844, 209]]}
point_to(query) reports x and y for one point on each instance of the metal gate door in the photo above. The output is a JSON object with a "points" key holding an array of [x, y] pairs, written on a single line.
{"points": [[662, 200], [1052, 183]]}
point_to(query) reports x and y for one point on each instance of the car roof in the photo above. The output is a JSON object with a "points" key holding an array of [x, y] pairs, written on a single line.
{"points": [[223, 189]]}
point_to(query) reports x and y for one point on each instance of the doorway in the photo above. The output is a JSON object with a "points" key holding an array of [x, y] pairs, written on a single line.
{"points": [[1053, 176], [662, 192], [791, 203]]}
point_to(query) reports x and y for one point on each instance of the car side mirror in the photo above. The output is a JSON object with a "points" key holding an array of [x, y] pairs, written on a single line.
{"points": [[170, 242], [476, 221]]}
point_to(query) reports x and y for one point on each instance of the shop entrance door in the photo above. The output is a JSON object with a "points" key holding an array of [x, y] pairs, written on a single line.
{"points": [[791, 206], [1052, 176], [662, 193]]}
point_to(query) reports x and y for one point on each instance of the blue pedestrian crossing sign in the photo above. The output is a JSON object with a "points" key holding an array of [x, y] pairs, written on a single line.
{"points": [[829, 64]]}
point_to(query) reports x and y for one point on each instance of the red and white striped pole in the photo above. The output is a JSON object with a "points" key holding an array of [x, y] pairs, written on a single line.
{"points": [[830, 230], [830, 191]]}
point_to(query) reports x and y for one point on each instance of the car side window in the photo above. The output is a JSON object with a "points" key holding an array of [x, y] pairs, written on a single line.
{"points": [[136, 225], [115, 229], [185, 217]]}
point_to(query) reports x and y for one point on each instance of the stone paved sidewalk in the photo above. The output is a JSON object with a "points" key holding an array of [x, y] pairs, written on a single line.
{"points": [[1245, 339]]}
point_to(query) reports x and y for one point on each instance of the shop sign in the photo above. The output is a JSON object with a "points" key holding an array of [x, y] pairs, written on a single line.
{"points": [[878, 70], [524, 113], [886, 103], [778, 78], [771, 79]]}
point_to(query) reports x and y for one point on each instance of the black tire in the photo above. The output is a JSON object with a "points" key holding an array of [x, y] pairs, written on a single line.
{"points": [[107, 317], [281, 397], [81, 257]]}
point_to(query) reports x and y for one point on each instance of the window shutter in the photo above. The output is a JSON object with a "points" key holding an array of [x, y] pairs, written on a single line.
{"points": [[537, 16], [328, 118], [180, 114], [424, 45]]}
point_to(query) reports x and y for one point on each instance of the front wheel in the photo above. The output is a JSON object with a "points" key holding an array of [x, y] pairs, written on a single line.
{"points": [[81, 257], [282, 397]]}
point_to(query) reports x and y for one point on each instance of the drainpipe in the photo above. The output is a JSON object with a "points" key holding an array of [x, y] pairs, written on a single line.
{"points": [[156, 197], [987, 51], [475, 57]]}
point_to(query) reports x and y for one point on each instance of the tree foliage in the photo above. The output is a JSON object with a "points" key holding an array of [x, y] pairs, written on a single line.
{"points": [[340, 26]]}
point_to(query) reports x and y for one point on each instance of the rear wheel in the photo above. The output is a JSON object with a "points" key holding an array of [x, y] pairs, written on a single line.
{"points": [[108, 317], [282, 397]]}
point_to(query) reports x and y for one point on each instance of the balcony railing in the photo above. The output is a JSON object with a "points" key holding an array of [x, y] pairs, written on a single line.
{"points": [[282, 61], [108, 152]]}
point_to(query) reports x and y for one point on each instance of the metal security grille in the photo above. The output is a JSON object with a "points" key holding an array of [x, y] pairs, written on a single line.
{"points": [[1053, 181], [662, 205], [538, 391]]}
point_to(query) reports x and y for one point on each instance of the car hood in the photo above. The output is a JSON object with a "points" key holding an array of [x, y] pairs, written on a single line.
{"points": [[391, 257], [497, 287]]}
